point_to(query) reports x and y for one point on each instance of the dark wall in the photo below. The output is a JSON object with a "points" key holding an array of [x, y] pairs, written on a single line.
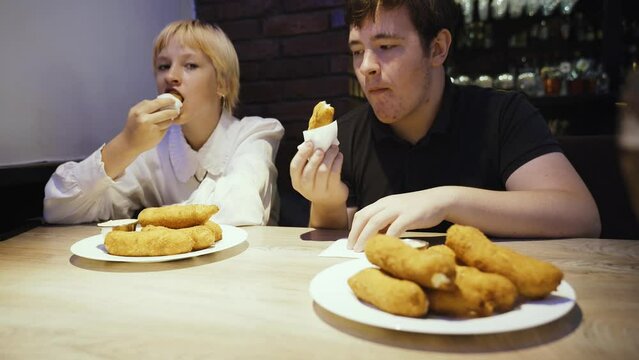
{"points": [[293, 53]]}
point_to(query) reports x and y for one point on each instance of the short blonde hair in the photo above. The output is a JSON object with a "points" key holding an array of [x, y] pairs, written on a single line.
{"points": [[214, 43]]}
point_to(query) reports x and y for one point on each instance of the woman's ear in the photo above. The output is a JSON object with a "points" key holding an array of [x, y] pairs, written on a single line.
{"points": [[439, 47]]}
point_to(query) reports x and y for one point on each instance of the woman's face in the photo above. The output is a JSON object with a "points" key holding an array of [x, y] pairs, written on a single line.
{"points": [[191, 73]]}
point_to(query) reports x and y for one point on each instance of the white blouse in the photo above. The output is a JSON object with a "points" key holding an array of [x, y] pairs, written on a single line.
{"points": [[234, 170]]}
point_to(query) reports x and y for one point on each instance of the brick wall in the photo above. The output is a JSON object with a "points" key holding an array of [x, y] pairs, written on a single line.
{"points": [[293, 53]]}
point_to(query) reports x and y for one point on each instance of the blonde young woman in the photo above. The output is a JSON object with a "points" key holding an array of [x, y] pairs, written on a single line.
{"points": [[200, 154]]}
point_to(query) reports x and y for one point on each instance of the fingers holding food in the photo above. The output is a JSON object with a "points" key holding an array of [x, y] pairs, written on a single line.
{"points": [[177, 216], [532, 277], [400, 297], [147, 243], [429, 269], [476, 294]]}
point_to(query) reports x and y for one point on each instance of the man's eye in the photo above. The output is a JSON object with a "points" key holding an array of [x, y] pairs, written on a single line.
{"points": [[387, 47], [357, 52], [163, 67]]}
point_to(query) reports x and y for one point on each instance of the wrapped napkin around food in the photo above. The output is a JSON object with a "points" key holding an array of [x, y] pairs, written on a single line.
{"points": [[322, 130]]}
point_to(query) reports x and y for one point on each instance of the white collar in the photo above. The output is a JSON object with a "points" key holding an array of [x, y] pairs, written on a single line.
{"points": [[213, 157]]}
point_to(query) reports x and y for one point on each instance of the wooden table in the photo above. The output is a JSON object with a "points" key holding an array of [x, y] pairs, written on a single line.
{"points": [[252, 302]]}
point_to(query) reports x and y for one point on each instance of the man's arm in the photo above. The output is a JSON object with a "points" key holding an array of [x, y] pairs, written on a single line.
{"points": [[544, 198]]}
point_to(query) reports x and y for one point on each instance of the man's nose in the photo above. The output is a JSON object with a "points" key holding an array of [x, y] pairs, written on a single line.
{"points": [[370, 65]]}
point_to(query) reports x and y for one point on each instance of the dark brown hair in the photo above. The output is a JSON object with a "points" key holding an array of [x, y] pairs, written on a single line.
{"points": [[428, 16]]}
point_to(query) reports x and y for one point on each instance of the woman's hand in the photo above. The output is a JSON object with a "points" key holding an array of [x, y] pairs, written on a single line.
{"points": [[147, 123], [144, 129]]}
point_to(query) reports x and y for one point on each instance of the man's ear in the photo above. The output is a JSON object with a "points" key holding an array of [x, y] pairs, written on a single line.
{"points": [[439, 47]]}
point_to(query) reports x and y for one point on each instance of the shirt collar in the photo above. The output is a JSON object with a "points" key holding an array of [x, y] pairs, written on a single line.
{"points": [[212, 157], [441, 124]]}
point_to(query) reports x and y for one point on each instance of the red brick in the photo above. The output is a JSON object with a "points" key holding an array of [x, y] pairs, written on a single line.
{"points": [[225, 10], [292, 110], [325, 43], [337, 19], [254, 92], [296, 5], [295, 67], [341, 64], [250, 70], [242, 29], [315, 88], [293, 24], [257, 49], [250, 110]]}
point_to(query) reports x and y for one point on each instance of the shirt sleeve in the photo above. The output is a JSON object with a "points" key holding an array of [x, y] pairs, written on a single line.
{"points": [[80, 192], [246, 191], [524, 135]]}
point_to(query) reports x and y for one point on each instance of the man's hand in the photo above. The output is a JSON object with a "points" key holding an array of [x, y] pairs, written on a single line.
{"points": [[317, 175], [398, 213]]}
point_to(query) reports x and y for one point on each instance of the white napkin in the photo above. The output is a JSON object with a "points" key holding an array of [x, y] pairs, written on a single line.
{"points": [[322, 137], [338, 249]]}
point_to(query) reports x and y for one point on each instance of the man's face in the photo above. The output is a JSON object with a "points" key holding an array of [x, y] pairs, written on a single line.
{"points": [[390, 64]]}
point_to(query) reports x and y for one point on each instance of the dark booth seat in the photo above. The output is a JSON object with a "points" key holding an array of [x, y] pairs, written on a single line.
{"points": [[596, 159]]}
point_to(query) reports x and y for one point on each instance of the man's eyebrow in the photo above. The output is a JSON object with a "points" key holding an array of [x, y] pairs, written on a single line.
{"points": [[382, 36]]}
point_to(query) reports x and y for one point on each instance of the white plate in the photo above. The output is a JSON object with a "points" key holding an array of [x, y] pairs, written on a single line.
{"points": [[330, 290], [93, 248]]}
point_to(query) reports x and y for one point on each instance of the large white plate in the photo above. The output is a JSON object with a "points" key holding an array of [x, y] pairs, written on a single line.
{"points": [[93, 248], [330, 290]]}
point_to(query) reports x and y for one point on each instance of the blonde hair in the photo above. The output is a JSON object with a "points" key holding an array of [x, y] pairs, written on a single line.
{"points": [[214, 43]]}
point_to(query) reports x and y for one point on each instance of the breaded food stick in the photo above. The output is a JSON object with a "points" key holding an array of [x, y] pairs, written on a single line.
{"points": [[399, 297], [215, 228], [202, 236], [533, 278], [429, 269], [476, 294], [177, 216], [147, 243], [322, 115], [441, 249]]}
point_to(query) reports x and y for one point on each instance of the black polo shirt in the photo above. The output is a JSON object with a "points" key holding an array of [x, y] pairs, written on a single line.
{"points": [[478, 139]]}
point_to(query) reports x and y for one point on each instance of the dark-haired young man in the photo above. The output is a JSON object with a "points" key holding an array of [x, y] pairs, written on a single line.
{"points": [[424, 152]]}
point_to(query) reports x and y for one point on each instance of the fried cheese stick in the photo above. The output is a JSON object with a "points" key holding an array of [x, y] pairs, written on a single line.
{"points": [[476, 294], [322, 115], [533, 278], [177, 216], [202, 235], [429, 269], [215, 228], [147, 243], [399, 297]]}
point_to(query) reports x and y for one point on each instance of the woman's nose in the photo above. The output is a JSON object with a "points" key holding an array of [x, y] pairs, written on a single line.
{"points": [[173, 75]]}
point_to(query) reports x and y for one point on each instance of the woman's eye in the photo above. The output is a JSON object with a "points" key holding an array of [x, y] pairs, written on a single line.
{"points": [[387, 47], [357, 52], [191, 66], [163, 67]]}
